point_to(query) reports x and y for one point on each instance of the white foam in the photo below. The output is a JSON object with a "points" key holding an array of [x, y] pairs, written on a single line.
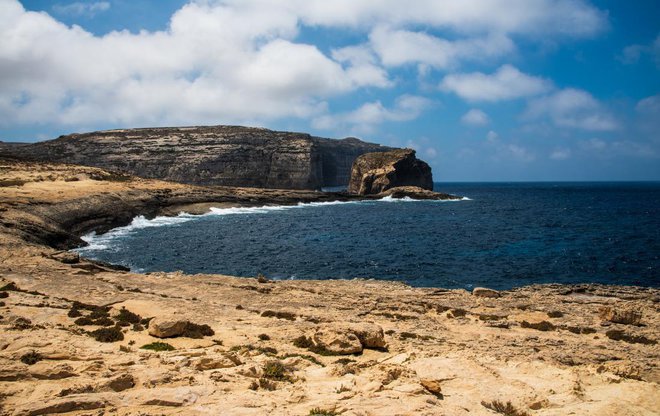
{"points": [[96, 242]]}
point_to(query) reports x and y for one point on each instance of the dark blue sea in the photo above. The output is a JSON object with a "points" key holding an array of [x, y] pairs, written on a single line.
{"points": [[505, 235]]}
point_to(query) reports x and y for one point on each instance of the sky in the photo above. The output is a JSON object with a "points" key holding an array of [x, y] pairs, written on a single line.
{"points": [[484, 90]]}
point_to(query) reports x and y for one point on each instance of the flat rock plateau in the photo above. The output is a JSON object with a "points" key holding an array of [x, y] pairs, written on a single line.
{"points": [[72, 331]]}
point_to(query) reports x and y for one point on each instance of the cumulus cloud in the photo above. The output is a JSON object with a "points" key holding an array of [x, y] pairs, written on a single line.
{"points": [[82, 9], [507, 83], [475, 117], [491, 136], [561, 153], [365, 118], [221, 61], [572, 108], [633, 53], [400, 47]]}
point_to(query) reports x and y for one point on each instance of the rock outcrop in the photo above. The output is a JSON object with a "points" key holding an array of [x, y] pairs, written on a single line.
{"points": [[214, 155], [374, 173]]}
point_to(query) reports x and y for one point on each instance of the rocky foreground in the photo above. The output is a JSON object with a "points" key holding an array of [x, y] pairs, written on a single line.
{"points": [[80, 337]]}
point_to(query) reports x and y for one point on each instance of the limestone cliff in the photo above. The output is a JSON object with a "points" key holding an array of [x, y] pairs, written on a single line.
{"points": [[216, 155], [373, 173]]}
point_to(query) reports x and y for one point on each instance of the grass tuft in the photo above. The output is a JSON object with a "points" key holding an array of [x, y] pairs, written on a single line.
{"points": [[158, 346]]}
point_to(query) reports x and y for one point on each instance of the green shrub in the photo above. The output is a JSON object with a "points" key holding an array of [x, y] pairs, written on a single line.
{"points": [[158, 346]]}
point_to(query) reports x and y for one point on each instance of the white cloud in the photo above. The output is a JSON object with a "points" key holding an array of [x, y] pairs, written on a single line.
{"points": [[222, 61], [572, 108], [492, 136], [475, 117], [401, 47], [82, 9], [559, 17], [507, 83], [365, 118], [519, 153], [649, 106], [633, 53], [561, 153]]}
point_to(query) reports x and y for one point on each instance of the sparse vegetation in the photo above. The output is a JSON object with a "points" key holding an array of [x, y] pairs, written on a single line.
{"points": [[264, 337], [275, 370], [4, 295], [128, 317], [317, 411], [197, 331], [113, 334], [506, 409], [279, 315], [539, 326], [158, 346], [555, 314], [31, 357]]}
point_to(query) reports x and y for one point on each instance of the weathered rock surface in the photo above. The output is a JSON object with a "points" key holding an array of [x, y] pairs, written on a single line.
{"points": [[374, 173], [214, 155]]}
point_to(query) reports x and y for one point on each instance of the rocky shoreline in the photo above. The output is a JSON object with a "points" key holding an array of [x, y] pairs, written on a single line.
{"points": [[81, 337]]}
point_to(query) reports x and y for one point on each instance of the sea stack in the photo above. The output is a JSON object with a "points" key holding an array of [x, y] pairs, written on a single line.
{"points": [[374, 173]]}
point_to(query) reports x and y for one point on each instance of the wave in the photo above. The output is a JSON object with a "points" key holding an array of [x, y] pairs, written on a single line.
{"points": [[98, 242]]}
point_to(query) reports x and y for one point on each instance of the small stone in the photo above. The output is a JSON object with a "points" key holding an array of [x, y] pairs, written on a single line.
{"points": [[121, 383], [483, 292], [432, 386]]}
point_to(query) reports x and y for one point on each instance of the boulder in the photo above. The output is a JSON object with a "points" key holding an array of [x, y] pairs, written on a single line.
{"points": [[374, 173], [167, 327], [620, 316], [337, 341], [483, 292], [370, 335]]}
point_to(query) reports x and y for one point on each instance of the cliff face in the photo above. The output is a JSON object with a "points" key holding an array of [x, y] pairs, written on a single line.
{"points": [[218, 155], [373, 173]]}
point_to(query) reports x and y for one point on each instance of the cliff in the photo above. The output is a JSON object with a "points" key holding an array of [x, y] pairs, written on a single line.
{"points": [[217, 155], [374, 173]]}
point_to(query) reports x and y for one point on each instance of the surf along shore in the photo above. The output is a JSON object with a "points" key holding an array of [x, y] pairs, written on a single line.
{"points": [[72, 331]]}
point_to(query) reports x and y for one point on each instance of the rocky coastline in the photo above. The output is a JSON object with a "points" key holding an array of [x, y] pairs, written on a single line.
{"points": [[81, 337]]}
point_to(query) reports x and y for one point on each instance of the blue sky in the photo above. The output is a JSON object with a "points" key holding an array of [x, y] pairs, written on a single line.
{"points": [[485, 90]]}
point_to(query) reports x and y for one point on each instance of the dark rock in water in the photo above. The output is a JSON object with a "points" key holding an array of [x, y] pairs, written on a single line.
{"points": [[374, 173], [214, 155]]}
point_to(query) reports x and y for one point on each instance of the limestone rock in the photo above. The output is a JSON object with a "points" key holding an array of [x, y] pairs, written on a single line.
{"points": [[370, 335], [620, 316], [64, 405], [373, 173], [212, 155], [167, 327], [483, 292], [432, 386], [47, 371], [121, 383], [216, 362], [337, 341]]}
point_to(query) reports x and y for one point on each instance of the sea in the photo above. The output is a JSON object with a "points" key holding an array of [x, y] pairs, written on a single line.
{"points": [[499, 235]]}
